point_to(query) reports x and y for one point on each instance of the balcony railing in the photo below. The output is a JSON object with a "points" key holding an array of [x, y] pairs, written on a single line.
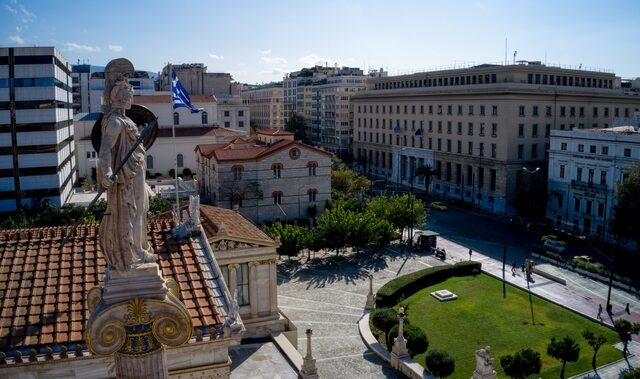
{"points": [[591, 185]]}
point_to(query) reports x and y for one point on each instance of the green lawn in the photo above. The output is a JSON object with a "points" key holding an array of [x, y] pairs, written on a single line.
{"points": [[480, 317]]}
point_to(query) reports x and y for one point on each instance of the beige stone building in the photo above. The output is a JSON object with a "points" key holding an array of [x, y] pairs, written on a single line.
{"points": [[266, 104], [269, 177], [479, 126]]}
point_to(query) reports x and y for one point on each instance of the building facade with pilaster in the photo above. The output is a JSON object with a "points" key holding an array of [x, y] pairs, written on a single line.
{"points": [[483, 129]]}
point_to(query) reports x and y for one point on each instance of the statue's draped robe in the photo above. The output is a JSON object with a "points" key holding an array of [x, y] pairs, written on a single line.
{"points": [[123, 229]]}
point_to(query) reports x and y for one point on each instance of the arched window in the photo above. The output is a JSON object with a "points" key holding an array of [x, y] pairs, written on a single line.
{"points": [[277, 197], [312, 194], [149, 161], [312, 168], [205, 118], [176, 118], [277, 170], [237, 172], [180, 160]]}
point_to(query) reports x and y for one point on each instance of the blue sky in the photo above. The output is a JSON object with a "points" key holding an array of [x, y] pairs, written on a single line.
{"points": [[259, 41]]}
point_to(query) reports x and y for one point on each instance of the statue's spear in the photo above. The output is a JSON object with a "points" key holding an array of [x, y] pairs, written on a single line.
{"points": [[143, 134]]}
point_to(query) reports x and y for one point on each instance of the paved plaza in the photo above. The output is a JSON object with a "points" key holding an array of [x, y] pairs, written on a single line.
{"points": [[328, 294]]}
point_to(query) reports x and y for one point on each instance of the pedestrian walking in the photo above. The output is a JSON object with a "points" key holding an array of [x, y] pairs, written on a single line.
{"points": [[470, 252], [627, 309], [513, 268], [600, 311]]}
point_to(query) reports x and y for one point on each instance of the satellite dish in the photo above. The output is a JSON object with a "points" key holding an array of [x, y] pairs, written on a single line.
{"points": [[140, 115]]}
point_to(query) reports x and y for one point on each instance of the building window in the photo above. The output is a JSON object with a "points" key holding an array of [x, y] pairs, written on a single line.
{"points": [[470, 110], [312, 194], [592, 149], [563, 111], [277, 170], [149, 161], [470, 130], [242, 283], [205, 118], [180, 160], [277, 198], [176, 118], [237, 172], [547, 130], [520, 130], [580, 148], [241, 124], [627, 152], [534, 151], [470, 148], [520, 151], [312, 168], [482, 110], [534, 130], [227, 124], [494, 130], [482, 129], [521, 110], [492, 179], [226, 113], [459, 147], [579, 174], [494, 149], [603, 177], [547, 111], [494, 110], [459, 128], [535, 111], [561, 171], [605, 150], [563, 146]]}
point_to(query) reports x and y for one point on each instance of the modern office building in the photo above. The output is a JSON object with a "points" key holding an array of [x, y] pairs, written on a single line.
{"points": [[585, 167], [80, 80], [265, 103], [478, 127], [37, 160]]}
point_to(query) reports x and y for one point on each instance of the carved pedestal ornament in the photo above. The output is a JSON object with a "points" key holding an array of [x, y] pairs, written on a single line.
{"points": [[137, 313]]}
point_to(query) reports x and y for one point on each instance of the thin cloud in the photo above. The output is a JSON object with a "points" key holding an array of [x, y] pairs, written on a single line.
{"points": [[216, 57], [11, 9], [72, 46], [274, 60], [265, 52], [26, 15], [274, 71], [116, 48], [313, 59], [16, 39]]}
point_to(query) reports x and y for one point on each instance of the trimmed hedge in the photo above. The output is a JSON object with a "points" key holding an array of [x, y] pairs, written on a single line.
{"points": [[406, 285]]}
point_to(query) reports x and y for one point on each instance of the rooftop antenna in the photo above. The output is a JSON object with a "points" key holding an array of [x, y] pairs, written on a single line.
{"points": [[515, 52]]}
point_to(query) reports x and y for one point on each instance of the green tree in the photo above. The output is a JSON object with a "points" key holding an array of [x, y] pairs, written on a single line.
{"points": [[521, 364], [440, 363], [625, 329], [401, 211], [427, 171], [626, 222], [565, 350], [595, 342], [384, 319], [296, 124], [293, 238], [417, 341], [334, 228], [346, 183]]}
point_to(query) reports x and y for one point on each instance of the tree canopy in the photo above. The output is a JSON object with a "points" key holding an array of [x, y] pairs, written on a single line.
{"points": [[565, 350], [626, 222], [521, 364], [297, 125], [440, 363]]}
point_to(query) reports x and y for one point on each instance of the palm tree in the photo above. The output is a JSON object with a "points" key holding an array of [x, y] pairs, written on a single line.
{"points": [[427, 171]]}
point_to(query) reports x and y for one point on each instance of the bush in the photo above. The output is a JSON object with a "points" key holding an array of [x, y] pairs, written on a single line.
{"points": [[409, 284], [384, 319], [630, 374], [521, 364], [417, 342], [440, 363]]}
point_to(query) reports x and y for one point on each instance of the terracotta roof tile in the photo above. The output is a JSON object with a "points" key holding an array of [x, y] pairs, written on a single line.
{"points": [[43, 288], [220, 223]]}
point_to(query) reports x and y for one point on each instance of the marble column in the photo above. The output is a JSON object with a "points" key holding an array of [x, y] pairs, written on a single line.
{"points": [[233, 278], [273, 287], [253, 291]]}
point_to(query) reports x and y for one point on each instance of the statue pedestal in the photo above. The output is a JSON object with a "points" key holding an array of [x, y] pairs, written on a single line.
{"points": [[143, 281], [135, 316]]}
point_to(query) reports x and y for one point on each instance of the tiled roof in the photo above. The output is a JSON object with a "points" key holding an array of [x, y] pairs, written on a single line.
{"points": [[225, 152], [159, 99], [43, 288], [221, 223]]}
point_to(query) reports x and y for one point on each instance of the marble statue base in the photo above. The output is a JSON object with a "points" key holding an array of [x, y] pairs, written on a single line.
{"points": [[143, 281]]}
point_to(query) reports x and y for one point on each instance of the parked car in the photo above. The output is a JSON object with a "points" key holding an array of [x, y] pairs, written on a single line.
{"points": [[585, 259], [439, 206], [554, 238], [554, 246]]}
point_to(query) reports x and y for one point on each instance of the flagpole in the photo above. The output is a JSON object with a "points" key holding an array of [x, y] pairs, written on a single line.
{"points": [[175, 155]]}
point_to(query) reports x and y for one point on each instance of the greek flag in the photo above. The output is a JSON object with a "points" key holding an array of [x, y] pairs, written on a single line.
{"points": [[180, 96]]}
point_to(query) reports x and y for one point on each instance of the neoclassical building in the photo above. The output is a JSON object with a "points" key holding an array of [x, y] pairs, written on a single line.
{"points": [[269, 177], [478, 127]]}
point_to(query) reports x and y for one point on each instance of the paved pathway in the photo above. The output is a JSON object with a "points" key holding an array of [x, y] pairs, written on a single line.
{"points": [[329, 296]]}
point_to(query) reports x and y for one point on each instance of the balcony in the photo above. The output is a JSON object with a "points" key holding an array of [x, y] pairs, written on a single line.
{"points": [[578, 184]]}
